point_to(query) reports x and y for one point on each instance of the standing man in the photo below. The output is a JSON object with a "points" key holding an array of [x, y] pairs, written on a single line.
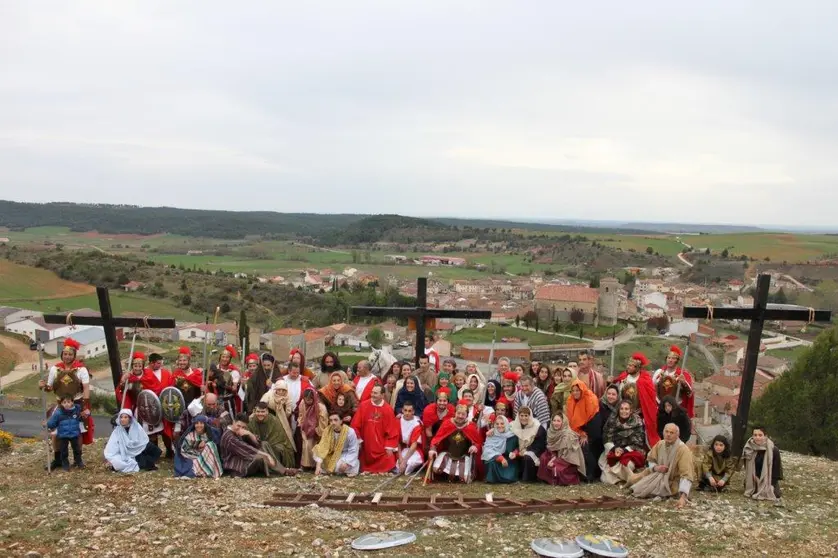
{"points": [[410, 447], [378, 431], [187, 379], [70, 378], [588, 374], [676, 382], [365, 381]]}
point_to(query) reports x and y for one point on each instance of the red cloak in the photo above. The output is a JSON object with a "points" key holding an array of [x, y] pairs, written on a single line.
{"points": [[365, 396], [195, 376], [648, 397], [149, 381], [448, 428], [430, 417], [378, 429]]}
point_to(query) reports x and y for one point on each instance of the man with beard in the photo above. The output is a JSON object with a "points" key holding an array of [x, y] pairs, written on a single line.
{"points": [[219, 418], [588, 373], [187, 379], [256, 384], [70, 378], [455, 445], [378, 430], [328, 364], [274, 440], [241, 451], [272, 371]]}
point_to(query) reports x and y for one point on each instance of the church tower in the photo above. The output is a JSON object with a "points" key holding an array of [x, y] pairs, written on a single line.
{"points": [[609, 300]]}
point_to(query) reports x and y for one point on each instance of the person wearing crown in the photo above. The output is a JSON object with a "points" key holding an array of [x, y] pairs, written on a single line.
{"points": [[672, 380], [69, 378]]}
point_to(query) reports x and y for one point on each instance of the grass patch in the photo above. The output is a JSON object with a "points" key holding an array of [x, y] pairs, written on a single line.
{"points": [[484, 335], [120, 301], [28, 387], [657, 349], [8, 360], [776, 246], [664, 245], [22, 283], [790, 355]]}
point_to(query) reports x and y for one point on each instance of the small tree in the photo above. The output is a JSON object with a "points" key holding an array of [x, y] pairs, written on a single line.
{"points": [[555, 326], [577, 315], [725, 253], [375, 336], [244, 332], [650, 250], [517, 320]]}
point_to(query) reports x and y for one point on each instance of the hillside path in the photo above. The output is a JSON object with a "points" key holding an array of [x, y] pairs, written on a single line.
{"points": [[24, 358]]}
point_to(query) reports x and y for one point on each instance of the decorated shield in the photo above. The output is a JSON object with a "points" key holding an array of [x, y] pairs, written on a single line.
{"points": [[385, 539], [149, 410], [555, 548], [602, 546], [173, 403]]}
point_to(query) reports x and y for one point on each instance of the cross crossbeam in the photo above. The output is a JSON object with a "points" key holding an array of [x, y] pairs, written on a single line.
{"points": [[757, 315], [109, 323], [420, 313]]}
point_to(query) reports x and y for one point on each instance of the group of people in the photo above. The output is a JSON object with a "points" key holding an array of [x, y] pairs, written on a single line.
{"points": [[561, 426]]}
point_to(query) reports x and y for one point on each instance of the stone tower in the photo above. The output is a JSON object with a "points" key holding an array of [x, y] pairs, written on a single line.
{"points": [[609, 300]]}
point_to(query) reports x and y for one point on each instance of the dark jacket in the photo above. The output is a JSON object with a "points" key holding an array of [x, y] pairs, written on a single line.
{"points": [[67, 422]]}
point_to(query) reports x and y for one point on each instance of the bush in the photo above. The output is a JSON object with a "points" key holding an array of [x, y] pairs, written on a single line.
{"points": [[5, 441], [103, 403]]}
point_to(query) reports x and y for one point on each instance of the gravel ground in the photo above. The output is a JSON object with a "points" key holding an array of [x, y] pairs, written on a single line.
{"points": [[96, 513]]}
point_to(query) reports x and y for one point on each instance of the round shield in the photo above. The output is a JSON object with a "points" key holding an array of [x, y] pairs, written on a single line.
{"points": [[556, 549], [149, 410], [173, 403], [602, 546], [385, 539]]}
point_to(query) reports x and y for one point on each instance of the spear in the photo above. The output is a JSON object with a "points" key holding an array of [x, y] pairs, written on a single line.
{"points": [[683, 368], [44, 402], [206, 354], [492, 353]]}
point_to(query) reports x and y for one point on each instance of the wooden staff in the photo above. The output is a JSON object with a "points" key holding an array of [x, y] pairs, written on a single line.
{"points": [[416, 474], [429, 476], [43, 376], [206, 355], [130, 371]]}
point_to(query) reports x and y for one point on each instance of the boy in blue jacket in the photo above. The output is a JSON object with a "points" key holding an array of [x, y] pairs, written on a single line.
{"points": [[65, 420]]}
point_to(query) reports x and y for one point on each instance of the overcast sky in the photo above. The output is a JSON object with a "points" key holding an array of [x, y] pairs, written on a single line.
{"points": [[714, 111]]}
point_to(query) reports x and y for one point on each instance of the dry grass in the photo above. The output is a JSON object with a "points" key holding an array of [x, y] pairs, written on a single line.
{"points": [[24, 283], [96, 513]]}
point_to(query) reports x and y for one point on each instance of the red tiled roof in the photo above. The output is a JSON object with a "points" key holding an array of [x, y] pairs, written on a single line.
{"points": [[567, 293], [314, 335], [288, 331]]}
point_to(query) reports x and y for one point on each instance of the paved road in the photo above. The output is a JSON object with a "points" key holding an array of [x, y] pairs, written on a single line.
{"points": [[28, 424]]}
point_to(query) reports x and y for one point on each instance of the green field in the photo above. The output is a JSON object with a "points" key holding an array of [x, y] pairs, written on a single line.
{"points": [[665, 245], [484, 335], [22, 283], [656, 350], [121, 303], [778, 247], [790, 355]]}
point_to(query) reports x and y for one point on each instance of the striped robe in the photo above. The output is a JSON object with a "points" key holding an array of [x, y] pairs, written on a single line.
{"points": [[537, 402]]}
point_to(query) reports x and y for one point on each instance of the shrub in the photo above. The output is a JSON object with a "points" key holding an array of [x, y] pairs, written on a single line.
{"points": [[5, 441]]}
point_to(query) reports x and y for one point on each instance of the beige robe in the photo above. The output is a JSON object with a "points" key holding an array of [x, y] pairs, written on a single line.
{"points": [[678, 458]]}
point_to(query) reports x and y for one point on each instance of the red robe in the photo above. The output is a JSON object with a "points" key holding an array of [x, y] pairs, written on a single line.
{"points": [[378, 429], [470, 431], [149, 381], [648, 398], [430, 418], [194, 377], [367, 393], [687, 401]]}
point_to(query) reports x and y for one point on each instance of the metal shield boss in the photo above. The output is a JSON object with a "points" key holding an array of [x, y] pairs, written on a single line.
{"points": [[149, 410], [173, 403]]}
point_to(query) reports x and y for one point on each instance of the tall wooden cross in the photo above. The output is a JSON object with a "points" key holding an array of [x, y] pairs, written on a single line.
{"points": [[109, 323], [420, 314], [757, 315]]}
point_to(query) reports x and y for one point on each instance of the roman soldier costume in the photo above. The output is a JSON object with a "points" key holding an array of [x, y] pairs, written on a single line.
{"points": [[224, 380], [188, 380], [639, 389], [674, 381], [68, 380]]}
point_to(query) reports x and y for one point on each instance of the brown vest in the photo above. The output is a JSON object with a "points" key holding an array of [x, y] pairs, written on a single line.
{"points": [[67, 383]]}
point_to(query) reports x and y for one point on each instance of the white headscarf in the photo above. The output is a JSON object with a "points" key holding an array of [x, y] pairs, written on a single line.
{"points": [[123, 447]]}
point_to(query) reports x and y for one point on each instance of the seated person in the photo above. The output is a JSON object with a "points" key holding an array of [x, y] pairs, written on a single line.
{"points": [[456, 443], [273, 437], [717, 466], [763, 468], [562, 462], [209, 407], [500, 443], [128, 449], [196, 454], [532, 440], [582, 412], [625, 444], [241, 451], [337, 451], [671, 471]]}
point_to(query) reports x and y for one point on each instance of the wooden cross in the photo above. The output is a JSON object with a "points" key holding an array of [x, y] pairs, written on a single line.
{"points": [[420, 313], [109, 323], [757, 315]]}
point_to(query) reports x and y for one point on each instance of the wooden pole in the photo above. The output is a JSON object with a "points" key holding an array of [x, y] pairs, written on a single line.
{"points": [[110, 334], [421, 302], [43, 376]]}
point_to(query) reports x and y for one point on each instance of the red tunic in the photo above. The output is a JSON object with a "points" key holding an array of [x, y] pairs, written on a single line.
{"points": [[687, 400], [430, 416], [367, 393], [149, 381], [648, 398], [448, 428], [194, 377], [378, 429]]}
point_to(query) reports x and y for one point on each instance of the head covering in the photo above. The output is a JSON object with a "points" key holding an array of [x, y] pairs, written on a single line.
{"points": [[330, 394], [603, 401], [252, 357], [476, 393], [446, 391], [280, 384], [138, 355], [511, 376], [72, 344], [490, 401], [564, 443], [580, 413], [417, 397], [309, 420], [641, 358], [232, 350], [438, 387], [183, 465], [677, 350], [495, 445], [185, 351], [527, 434], [123, 447], [296, 351]]}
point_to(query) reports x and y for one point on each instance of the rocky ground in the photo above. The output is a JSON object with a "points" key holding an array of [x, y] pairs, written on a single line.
{"points": [[96, 513]]}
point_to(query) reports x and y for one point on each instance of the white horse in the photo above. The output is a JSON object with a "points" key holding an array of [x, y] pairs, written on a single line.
{"points": [[381, 361]]}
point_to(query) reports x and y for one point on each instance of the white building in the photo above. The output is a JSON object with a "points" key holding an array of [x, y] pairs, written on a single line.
{"points": [[37, 330], [92, 342], [10, 315], [683, 328]]}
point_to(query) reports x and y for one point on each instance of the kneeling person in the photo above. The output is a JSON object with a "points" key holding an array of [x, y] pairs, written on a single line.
{"points": [[337, 451], [455, 445]]}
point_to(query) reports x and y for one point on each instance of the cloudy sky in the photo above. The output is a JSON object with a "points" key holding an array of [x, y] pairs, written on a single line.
{"points": [[718, 112]]}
